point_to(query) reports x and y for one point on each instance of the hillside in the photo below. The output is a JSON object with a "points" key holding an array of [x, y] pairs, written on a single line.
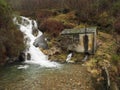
{"points": [[11, 39], [53, 16]]}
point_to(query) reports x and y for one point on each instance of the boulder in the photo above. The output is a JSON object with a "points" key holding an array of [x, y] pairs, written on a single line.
{"points": [[35, 31], [10, 60], [28, 56], [41, 42], [21, 56]]}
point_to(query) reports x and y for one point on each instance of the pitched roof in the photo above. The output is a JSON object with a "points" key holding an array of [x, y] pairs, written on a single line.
{"points": [[81, 30]]}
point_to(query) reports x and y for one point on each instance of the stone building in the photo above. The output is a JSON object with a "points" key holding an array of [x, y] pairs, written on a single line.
{"points": [[81, 40]]}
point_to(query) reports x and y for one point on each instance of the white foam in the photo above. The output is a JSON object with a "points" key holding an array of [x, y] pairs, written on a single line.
{"points": [[22, 66], [37, 57], [69, 57]]}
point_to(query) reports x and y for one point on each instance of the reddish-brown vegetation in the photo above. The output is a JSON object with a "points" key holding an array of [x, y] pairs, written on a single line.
{"points": [[53, 27], [44, 14]]}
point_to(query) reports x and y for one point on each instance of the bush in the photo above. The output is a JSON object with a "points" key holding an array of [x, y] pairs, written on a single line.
{"points": [[69, 25], [11, 39], [5, 15], [2, 53], [44, 14], [117, 26], [51, 26], [116, 9], [115, 59], [65, 10], [11, 43]]}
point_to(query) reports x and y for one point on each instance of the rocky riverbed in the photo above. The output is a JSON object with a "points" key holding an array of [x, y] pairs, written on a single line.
{"points": [[68, 77]]}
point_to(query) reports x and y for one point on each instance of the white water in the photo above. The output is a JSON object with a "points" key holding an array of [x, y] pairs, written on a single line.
{"points": [[85, 58], [69, 57], [23, 67], [37, 57]]}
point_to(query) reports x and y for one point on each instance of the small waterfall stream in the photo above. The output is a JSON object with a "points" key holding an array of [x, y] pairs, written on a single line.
{"points": [[69, 57], [37, 57]]}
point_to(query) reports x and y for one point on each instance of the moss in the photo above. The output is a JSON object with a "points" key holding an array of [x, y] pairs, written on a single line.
{"points": [[3, 3], [80, 26], [115, 59], [19, 19], [11, 39], [68, 18], [59, 57]]}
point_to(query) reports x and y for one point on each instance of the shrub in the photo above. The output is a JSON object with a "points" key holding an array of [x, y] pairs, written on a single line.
{"points": [[44, 14], [51, 26], [5, 15], [115, 59], [2, 53], [116, 9], [11, 43], [11, 39], [117, 26], [69, 25], [65, 10]]}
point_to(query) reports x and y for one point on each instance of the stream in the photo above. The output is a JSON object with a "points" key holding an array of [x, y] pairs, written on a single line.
{"points": [[67, 77], [37, 72]]}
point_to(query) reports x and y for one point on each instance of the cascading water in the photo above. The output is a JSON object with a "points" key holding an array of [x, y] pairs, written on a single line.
{"points": [[37, 57], [69, 57]]}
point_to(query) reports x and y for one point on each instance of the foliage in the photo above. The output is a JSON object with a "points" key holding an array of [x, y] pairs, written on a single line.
{"points": [[86, 11], [66, 18], [117, 25], [11, 39], [116, 9], [41, 15], [5, 14], [115, 59], [51, 26], [2, 2]]}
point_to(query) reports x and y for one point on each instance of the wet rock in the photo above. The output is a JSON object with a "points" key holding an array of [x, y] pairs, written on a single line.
{"points": [[11, 60], [41, 42], [28, 56], [70, 61], [35, 31], [52, 51], [21, 56]]}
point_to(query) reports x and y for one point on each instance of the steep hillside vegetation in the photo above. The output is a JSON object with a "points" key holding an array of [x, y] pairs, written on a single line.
{"points": [[11, 39], [55, 15], [102, 13]]}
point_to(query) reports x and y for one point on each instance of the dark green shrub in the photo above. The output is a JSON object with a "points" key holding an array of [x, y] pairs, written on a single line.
{"points": [[11, 39], [117, 26], [116, 9], [115, 59], [5, 15]]}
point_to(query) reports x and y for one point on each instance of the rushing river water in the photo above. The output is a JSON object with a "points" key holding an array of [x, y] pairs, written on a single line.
{"points": [[68, 77], [13, 78], [28, 27], [39, 73]]}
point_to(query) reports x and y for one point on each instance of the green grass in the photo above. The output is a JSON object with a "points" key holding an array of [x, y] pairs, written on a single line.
{"points": [[115, 59], [3, 3]]}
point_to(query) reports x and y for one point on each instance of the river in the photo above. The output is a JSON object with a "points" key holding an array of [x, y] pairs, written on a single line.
{"points": [[38, 73], [67, 77]]}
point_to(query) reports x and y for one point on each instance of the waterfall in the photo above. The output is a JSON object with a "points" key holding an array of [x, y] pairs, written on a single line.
{"points": [[36, 56], [69, 57]]}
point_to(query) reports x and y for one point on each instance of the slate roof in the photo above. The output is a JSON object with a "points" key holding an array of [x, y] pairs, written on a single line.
{"points": [[77, 31]]}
